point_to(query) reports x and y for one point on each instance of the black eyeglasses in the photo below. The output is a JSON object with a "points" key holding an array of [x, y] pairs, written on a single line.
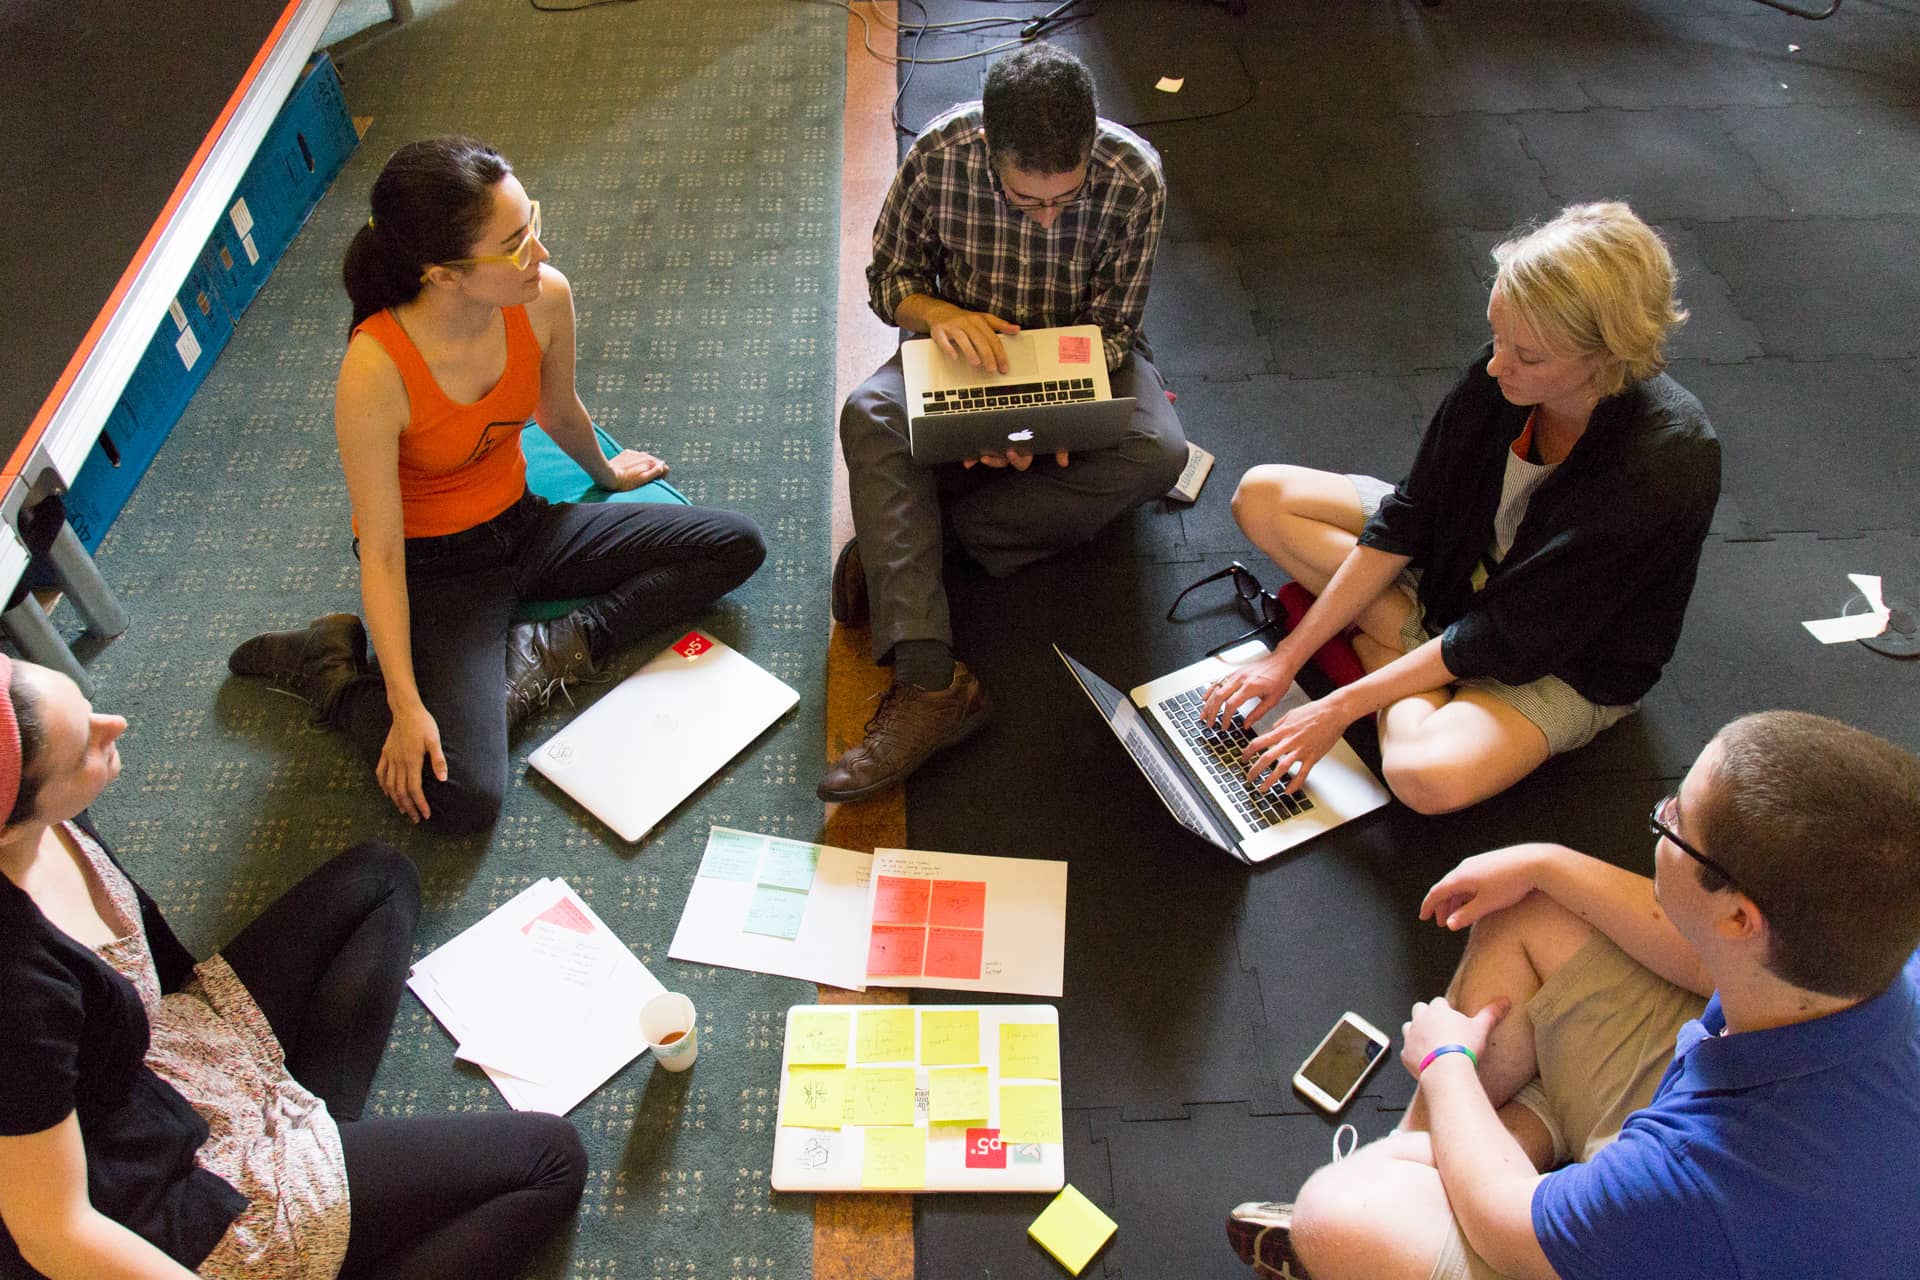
{"points": [[1032, 204], [1658, 824], [1259, 604]]}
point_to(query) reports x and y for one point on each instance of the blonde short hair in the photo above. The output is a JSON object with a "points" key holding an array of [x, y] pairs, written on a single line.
{"points": [[1595, 281]]}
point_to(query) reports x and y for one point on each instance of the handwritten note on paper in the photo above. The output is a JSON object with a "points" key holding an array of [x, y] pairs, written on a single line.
{"points": [[884, 1095], [957, 1093], [953, 953], [1030, 1113], [560, 952], [885, 1035], [894, 1159], [816, 1038], [815, 1097], [896, 951], [949, 1037], [776, 913], [731, 855], [789, 864], [900, 900], [959, 904], [1029, 1051]]}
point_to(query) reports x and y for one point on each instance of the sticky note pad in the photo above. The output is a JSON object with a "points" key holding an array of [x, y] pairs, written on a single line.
{"points": [[1072, 1229], [882, 1095], [1030, 1113], [896, 951], [949, 1038], [885, 1035], [814, 1097], [956, 1093], [818, 1038], [776, 913], [731, 855], [954, 953], [789, 864], [894, 1159], [1030, 1050], [900, 900]]}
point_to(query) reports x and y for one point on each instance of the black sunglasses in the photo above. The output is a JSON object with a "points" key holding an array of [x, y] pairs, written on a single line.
{"points": [[1259, 604], [1658, 824]]}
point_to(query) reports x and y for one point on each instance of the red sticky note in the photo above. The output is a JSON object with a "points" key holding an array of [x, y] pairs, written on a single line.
{"points": [[563, 914], [692, 645], [900, 900], [896, 952], [1076, 349], [985, 1150], [959, 904], [953, 953]]}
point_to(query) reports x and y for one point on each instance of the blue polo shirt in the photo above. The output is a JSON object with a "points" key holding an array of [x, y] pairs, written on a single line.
{"points": [[1769, 1154]]}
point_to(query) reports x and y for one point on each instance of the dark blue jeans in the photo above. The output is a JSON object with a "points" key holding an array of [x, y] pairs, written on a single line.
{"points": [[646, 565]]}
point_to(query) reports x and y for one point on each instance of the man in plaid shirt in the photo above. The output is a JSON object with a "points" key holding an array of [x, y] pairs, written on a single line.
{"points": [[1023, 210]]}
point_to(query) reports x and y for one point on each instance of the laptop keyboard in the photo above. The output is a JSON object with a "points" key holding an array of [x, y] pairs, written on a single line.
{"points": [[1012, 396], [1219, 750]]}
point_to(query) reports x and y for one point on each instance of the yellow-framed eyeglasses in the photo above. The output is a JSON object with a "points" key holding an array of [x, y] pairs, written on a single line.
{"points": [[521, 257]]}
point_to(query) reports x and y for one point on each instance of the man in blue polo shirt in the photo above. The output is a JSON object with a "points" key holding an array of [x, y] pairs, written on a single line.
{"points": [[1711, 1073]]}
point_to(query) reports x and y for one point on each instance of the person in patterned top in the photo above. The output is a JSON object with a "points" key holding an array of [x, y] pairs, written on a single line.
{"points": [[1023, 210]]}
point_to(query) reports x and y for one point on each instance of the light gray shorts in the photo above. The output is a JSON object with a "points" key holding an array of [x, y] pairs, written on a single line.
{"points": [[1551, 704]]}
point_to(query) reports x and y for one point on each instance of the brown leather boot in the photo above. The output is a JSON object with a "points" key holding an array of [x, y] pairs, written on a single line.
{"points": [[314, 663], [849, 597], [542, 659], [910, 725]]}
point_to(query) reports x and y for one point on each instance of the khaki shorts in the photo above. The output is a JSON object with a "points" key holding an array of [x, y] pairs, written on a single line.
{"points": [[1604, 1031], [1550, 704]]}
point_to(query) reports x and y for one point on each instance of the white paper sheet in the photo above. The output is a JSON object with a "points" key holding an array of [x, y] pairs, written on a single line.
{"points": [[1857, 626], [831, 945], [1024, 924]]}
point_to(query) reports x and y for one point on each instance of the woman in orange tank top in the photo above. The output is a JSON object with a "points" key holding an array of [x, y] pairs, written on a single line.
{"points": [[461, 332]]}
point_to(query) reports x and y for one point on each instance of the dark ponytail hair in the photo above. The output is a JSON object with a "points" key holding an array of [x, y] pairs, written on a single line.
{"points": [[429, 205]]}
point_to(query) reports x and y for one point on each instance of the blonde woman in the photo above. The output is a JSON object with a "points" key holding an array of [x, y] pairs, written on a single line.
{"points": [[1522, 588]]}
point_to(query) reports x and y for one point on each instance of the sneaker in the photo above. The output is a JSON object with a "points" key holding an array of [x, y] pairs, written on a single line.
{"points": [[1261, 1232], [313, 663], [910, 725], [850, 587]]}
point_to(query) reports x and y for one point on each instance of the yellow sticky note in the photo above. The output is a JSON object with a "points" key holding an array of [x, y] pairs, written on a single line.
{"points": [[885, 1035], [1072, 1229], [814, 1097], [817, 1039], [894, 1159], [881, 1095], [949, 1038], [1029, 1113], [1029, 1051], [957, 1093]]}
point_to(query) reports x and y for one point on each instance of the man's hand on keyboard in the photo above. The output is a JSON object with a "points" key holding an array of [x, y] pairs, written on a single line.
{"points": [[1295, 745], [1013, 458], [973, 336]]}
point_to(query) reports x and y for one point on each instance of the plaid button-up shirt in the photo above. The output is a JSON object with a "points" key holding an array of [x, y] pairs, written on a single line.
{"points": [[946, 230]]}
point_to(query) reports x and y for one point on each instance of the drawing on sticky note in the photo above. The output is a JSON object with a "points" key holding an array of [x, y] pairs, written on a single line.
{"points": [[958, 904], [953, 953], [896, 951], [1076, 348], [900, 900]]}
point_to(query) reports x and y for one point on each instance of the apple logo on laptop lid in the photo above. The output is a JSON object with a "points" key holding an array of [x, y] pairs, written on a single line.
{"points": [[1020, 437]]}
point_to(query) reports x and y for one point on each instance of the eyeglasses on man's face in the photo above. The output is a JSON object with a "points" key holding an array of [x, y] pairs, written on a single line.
{"points": [[1262, 608], [521, 255], [1660, 822], [1034, 204]]}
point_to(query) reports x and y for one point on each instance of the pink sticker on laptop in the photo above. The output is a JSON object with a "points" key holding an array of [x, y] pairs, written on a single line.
{"points": [[1076, 348], [692, 645]]}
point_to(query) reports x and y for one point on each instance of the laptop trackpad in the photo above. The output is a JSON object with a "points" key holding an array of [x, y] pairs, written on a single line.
{"points": [[1023, 365]]}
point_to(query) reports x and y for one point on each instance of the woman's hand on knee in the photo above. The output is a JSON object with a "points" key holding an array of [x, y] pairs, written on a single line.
{"points": [[413, 743], [631, 468]]}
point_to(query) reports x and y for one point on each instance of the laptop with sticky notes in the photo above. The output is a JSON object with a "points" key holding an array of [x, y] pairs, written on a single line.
{"points": [[634, 755], [1054, 395]]}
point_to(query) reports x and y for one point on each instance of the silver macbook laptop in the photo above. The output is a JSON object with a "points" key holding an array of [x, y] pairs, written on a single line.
{"points": [[1054, 395], [1199, 775], [633, 756]]}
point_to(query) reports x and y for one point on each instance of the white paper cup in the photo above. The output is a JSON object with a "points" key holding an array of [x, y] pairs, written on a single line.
{"points": [[667, 1022]]}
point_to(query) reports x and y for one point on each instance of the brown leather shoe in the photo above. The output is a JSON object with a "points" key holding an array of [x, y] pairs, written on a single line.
{"points": [[910, 725], [850, 587], [542, 659], [313, 663]]}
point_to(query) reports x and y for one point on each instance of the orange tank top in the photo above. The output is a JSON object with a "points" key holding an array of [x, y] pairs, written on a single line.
{"points": [[461, 464]]}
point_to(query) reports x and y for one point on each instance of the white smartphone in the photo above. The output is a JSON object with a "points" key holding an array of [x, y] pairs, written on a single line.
{"points": [[1333, 1072]]}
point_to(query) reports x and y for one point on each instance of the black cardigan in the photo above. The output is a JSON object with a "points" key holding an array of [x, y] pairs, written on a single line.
{"points": [[1597, 582], [73, 1038]]}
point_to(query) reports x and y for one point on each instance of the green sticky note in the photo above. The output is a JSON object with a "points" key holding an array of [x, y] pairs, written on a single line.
{"points": [[893, 1159], [789, 864], [885, 1035], [881, 1095], [1029, 1113], [949, 1037], [731, 855], [814, 1097], [1072, 1229], [775, 912], [1029, 1051], [818, 1038], [957, 1093]]}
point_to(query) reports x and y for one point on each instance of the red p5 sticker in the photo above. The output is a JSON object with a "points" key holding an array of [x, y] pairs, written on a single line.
{"points": [[692, 645], [985, 1150]]}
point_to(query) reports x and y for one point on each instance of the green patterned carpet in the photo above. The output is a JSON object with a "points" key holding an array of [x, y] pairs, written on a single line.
{"points": [[687, 159]]}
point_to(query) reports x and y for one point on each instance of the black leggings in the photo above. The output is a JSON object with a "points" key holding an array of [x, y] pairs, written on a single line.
{"points": [[445, 1196]]}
